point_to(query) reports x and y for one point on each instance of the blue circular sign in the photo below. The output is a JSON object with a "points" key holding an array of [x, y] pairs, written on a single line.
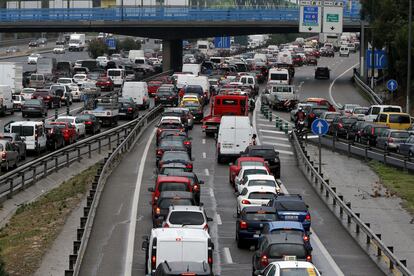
{"points": [[392, 85], [320, 127]]}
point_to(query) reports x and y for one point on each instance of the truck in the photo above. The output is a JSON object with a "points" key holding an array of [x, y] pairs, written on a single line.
{"points": [[11, 74], [106, 110], [280, 97], [134, 54], [77, 42], [6, 100], [46, 66], [333, 39]]}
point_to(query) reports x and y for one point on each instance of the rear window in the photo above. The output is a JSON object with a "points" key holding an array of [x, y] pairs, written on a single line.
{"points": [[185, 217], [170, 126], [173, 155], [268, 183], [288, 232], [287, 249], [263, 152], [115, 73], [278, 77], [164, 93], [291, 206], [254, 171], [260, 216], [167, 202], [23, 130], [400, 135], [391, 109], [261, 195], [251, 163], [69, 121], [171, 143], [173, 186], [400, 119], [298, 271], [349, 120]]}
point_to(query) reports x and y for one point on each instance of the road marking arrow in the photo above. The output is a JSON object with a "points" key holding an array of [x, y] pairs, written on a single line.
{"points": [[319, 126]]}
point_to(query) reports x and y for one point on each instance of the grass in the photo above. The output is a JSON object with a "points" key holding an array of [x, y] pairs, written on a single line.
{"points": [[398, 182], [33, 228]]}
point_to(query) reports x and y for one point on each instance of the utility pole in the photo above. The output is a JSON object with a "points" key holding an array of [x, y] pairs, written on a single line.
{"points": [[372, 47], [410, 24]]}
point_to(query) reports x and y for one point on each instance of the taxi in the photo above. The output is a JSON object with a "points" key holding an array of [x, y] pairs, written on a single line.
{"points": [[289, 267]]}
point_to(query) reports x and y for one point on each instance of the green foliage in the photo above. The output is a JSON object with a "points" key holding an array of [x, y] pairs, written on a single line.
{"points": [[129, 44], [97, 48], [285, 38]]}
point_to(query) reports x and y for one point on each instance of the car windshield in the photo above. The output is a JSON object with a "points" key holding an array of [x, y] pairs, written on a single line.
{"points": [[275, 76], [32, 103], [164, 93], [261, 195], [269, 183], [263, 152], [400, 119], [251, 163], [64, 120], [187, 218], [173, 155], [171, 143], [287, 249], [400, 135], [64, 81], [391, 109], [287, 232], [260, 216], [23, 130], [173, 186], [298, 206], [298, 271], [114, 73], [172, 171], [254, 171], [191, 104], [165, 203]]}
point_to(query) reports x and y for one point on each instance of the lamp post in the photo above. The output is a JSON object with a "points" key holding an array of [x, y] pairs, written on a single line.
{"points": [[410, 24]]}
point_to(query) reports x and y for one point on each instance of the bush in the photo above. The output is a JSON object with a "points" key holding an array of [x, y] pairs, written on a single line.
{"points": [[97, 48], [129, 44]]}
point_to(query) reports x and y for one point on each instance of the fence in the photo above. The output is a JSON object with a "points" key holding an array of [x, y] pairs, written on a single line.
{"points": [[375, 99]]}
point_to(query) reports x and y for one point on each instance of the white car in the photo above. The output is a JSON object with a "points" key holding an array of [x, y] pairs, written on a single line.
{"points": [[66, 81], [80, 79], [32, 59], [187, 216], [76, 93], [259, 180], [59, 50], [248, 170], [254, 196], [292, 267], [102, 60], [80, 127], [170, 119], [344, 51], [27, 92]]}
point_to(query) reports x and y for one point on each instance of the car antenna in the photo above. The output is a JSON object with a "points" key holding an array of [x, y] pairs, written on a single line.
{"points": [[188, 268]]}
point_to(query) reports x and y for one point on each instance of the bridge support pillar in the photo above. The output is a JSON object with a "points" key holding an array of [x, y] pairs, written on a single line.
{"points": [[172, 55]]}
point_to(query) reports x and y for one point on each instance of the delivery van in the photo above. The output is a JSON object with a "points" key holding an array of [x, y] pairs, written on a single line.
{"points": [[6, 100], [394, 120], [374, 110], [33, 132], [176, 245], [138, 91], [279, 76], [234, 136], [193, 68], [117, 76]]}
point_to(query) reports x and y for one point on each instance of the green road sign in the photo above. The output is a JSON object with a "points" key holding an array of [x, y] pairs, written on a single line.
{"points": [[332, 17]]}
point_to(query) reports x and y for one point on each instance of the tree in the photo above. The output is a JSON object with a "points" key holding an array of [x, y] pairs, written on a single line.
{"points": [[129, 44], [97, 48]]}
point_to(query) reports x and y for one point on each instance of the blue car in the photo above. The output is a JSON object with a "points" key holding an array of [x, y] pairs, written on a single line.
{"points": [[250, 222], [286, 228], [292, 208]]}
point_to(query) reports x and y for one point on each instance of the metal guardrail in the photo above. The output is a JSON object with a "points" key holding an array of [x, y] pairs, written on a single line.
{"points": [[375, 99], [329, 192], [159, 13], [29, 173], [86, 222]]}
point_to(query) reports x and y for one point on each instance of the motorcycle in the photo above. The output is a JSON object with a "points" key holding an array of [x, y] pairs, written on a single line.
{"points": [[252, 104], [300, 128]]}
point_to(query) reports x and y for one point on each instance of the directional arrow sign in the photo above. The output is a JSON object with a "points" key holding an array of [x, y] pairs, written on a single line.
{"points": [[332, 19], [392, 85], [310, 17], [320, 127]]}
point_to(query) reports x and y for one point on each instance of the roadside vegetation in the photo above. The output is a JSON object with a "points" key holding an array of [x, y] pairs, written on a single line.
{"points": [[33, 228], [399, 183]]}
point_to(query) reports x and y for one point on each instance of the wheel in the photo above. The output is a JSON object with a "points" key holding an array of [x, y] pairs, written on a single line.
{"points": [[219, 159], [239, 242], [23, 115]]}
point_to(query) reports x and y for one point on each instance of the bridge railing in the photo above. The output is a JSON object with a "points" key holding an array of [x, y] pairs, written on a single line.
{"points": [[148, 13]]}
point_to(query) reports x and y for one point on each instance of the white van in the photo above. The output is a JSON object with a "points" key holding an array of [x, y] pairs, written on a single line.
{"points": [[176, 245], [344, 51], [6, 100], [183, 80], [117, 76], [33, 133], [278, 76], [133, 54], [234, 136], [374, 110], [261, 57], [194, 68], [138, 91]]}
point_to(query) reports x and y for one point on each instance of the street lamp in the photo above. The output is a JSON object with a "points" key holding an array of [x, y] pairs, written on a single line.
{"points": [[410, 24]]}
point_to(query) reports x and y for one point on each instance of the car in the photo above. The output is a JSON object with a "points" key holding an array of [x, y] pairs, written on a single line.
{"points": [[313, 112], [153, 87], [329, 116], [172, 167], [311, 60], [89, 88], [54, 136], [59, 50], [169, 183], [295, 110], [169, 145], [34, 107], [322, 73], [169, 123], [250, 222], [60, 41], [92, 124], [195, 182], [105, 84], [344, 51], [254, 196], [177, 135], [407, 147], [128, 109], [77, 94], [341, 125], [161, 206], [9, 156], [330, 53], [286, 228], [79, 125], [321, 102], [183, 268], [354, 132], [370, 132], [68, 130], [33, 44], [188, 217], [166, 96], [18, 101], [186, 117], [235, 168], [176, 157], [347, 109], [27, 92], [291, 207], [42, 41], [12, 49], [17, 142], [49, 98], [195, 108], [80, 79], [32, 59], [270, 155], [359, 112], [259, 180], [102, 60], [64, 92], [275, 247], [390, 139], [289, 266], [248, 170]]}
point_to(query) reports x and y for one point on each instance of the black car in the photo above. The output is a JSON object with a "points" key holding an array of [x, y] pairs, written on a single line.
{"points": [[354, 132], [370, 133], [341, 125], [183, 268], [176, 157], [172, 167], [172, 133], [92, 124], [34, 107], [274, 248], [128, 109], [269, 154], [195, 182], [60, 42], [250, 223], [63, 91], [33, 43], [54, 137], [166, 96], [322, 73], [169, 145], [17, 142], [196, 110]]}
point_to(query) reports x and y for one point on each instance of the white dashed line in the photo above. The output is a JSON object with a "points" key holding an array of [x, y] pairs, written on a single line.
{"points": [[204, 155], [271, 131], [211, 193], [227, 255], [275, 138], [285, 152], [206, 172], [218, 219], [204, 141]]}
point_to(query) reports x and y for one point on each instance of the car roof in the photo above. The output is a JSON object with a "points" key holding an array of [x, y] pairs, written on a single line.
{"points": [[182, 174], [166, 118], [243, 168], [250, 158], [256, 208], [294, 264], [192, 268], [198, 209], [286, 224], [172, 194], [174, 233], [252, 189], [260, 177], [167, 178], [26, 123], [289, 197]]}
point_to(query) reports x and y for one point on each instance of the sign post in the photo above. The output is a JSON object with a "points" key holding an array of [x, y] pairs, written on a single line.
{"points": [[310, 17], [320, 127]]}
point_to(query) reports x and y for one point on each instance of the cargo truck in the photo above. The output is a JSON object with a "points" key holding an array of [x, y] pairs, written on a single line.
{"points": [[77, 42], [11, 74]]}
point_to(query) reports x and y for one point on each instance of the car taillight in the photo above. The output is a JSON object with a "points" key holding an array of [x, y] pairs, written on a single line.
{"points": [[155, 198], [4, 155], [160, 152], [154, 260], [205, 228], [306, 238], [372, 132], [390, 140], [264, 261], [88, 123], [309, 258], [245, 201], [189, 166], [312, 115], [48, 97], [340, 125], [166, 225], [243, 224], [187, 143], [129, 109], [308, 217], [204, 126], [156, 97], [159, 130], [158, 211], [170, 97]]}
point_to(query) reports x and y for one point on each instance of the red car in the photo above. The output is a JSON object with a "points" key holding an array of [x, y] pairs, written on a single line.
{"points": [[68, 130], [50, 99], [105, 84], [153, 87], [169, 183], [245, 161]]}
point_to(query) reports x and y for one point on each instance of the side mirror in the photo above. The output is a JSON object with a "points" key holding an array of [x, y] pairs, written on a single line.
{"points": [[201, 182], [145, 245], [151, 190], [209, 219]]}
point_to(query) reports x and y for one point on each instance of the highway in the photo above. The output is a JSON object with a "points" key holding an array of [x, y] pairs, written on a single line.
{"points": [[124, 213]]}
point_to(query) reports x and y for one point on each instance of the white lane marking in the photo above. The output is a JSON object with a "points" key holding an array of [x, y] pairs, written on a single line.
{"points": [[267, 125], [254, 120], [204, 155], [211, 193], [204, 141], [277, 144], [134, 211], [206, 172], [227, 255], [218, 218], [275, 138], [333, 82], [271, 131]]}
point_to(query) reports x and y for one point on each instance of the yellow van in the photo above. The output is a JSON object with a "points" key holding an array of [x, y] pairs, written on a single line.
{"points": [[394, 120]]}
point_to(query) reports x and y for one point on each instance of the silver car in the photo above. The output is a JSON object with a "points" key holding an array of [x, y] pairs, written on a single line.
{"points": [[8, 155], [390, 139]]}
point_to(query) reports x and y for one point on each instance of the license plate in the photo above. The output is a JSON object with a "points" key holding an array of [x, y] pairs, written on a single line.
{"points": [[227, 146], [291, 217], [102, 86], [163, 99], [122, 114], [256, 236]]}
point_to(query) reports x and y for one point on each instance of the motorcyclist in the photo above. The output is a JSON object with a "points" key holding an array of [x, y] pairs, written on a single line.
{"points": [[300, 115]]}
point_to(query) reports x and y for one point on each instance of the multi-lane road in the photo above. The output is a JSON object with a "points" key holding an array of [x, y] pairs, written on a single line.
{"points": [[124, 213]]}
